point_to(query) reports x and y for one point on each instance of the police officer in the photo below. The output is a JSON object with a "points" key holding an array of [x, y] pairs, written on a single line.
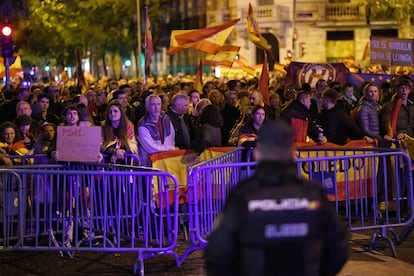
{"points": [[275, 223]]}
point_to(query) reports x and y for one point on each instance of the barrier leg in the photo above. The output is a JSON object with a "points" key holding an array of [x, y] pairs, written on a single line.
{"points": [[382, 234], [139, 265], [404, 234]]}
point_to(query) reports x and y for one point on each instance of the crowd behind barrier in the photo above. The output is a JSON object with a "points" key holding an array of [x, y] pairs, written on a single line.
{"points": [[116, 208], [376, 194], [88, 207]]}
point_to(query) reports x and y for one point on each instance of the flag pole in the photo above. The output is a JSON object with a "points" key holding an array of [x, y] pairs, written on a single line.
{"points": [[138, 63], [145, 45]]}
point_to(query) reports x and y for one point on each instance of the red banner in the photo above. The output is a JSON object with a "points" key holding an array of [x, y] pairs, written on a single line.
{"points": [[299, 73]]}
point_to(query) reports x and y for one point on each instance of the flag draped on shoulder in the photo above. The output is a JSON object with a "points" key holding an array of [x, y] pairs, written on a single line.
{"points": [[264, 81], [254, 34], [225, 56], [149, 48], [209, 41]]}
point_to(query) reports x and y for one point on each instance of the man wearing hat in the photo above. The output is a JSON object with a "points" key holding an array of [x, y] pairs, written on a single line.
{"points": [[275, 223]]}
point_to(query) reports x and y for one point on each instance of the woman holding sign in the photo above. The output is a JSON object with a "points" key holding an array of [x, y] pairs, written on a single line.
{"points": [[117, 134]]}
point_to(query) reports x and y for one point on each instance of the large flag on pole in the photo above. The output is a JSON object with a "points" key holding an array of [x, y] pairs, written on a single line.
{"points": [[198, 85], [210, 45], [254, 34], [264, 80], [201, 34], [149, 48], [225, 57]]}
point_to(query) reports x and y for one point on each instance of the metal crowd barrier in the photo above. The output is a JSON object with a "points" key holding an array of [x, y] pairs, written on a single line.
{"points": [[89, 207], [207, 193], [370, 188]]}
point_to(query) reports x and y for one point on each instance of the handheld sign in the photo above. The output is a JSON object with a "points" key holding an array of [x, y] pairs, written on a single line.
{"points": [[80, 144]]}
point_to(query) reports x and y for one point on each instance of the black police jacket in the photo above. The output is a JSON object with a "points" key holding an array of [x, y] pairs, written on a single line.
{"points": [[276, 224]]}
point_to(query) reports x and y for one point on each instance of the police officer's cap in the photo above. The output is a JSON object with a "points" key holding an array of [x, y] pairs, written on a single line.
{"points": [[277, 134]]}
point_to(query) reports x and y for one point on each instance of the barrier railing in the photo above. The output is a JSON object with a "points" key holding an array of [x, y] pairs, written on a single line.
{"points": [[89, 207], [205, 201], [370, 189]]}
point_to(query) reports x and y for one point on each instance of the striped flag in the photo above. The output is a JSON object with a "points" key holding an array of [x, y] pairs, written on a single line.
{"points": [[225, 56], [210, 45], [149, 48], [254, 34], [201, 34]]}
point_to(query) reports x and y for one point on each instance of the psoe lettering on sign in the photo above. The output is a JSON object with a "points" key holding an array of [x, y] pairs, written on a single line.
{"points": [[74, 132]]}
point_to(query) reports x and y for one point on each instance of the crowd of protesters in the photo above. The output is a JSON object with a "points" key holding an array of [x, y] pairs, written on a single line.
{"points": [[171, 114]]}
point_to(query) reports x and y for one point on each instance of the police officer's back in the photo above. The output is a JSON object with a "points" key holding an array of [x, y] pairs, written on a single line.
{"points": [[275, 223]]}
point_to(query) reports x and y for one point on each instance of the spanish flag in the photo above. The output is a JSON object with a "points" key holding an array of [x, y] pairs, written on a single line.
{"points": [[210, 45], [16, 69], [149, 48], [225, 56], [198, 85], [202, 34], [254, 34], [264, 80]]}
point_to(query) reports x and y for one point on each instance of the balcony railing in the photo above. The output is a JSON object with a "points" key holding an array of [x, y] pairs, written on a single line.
{"points": [[344, 12]]}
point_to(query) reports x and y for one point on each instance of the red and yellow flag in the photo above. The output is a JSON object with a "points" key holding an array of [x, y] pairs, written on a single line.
{"points": [[201, 34], [210, 45], [199, 78], [264, 80], [225, 57], [149, 48], [16, 69], [254, 34]]}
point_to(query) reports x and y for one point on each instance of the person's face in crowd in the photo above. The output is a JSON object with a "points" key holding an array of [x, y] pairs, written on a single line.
{"points": [[49, 131], [403, 91], [290, 93], [54, 93], [181, 106], [306, 101], [24, 109], [372, 93], [154, 108], [326, 103], [44, 104], [101, 98], [91, 96], [24, 95], [83, 100], [255, 98], [194, 98], [128, 92], [259, 116], [72, 117], [114, 114], [275, 102], [215, 98], [349, 92], [8, 135], [24, 129], [123, 99], [232, 99], [321, 87]]}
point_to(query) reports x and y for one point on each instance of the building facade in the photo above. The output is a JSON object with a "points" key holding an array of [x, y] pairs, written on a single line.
{"points": [[306, 30]]}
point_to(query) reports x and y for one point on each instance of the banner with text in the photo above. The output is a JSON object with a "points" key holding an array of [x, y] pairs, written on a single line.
{"points": [[392, 51]]}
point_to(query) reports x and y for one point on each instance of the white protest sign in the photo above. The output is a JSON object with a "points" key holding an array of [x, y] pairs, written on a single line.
{"points": [[79, 143]]}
